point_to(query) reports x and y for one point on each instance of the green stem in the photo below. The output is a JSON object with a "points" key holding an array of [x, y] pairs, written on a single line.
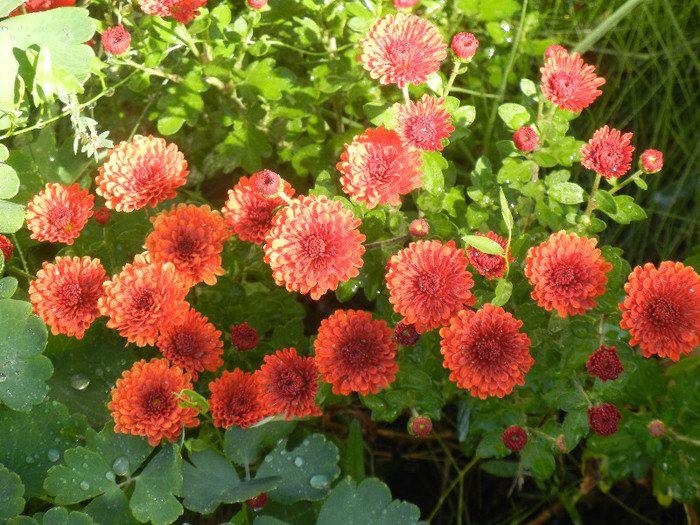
{"points": [[312, 53], [456, 70], [606, 26], [18, 249], [156, 72], [637, 174], [378, 244], [583, 392], [685, 439], [591, 200], [458, 479]]}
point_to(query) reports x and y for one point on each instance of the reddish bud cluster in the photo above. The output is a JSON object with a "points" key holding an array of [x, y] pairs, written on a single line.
{"points": [[419, 426], [514, 438], [525, 139], [464, 45], [605, 364]]}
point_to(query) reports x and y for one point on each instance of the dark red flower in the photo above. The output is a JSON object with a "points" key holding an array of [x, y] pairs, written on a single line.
{"points": [[651, 161], [6, 247], [492, 266], [102, 216], [116, 40], [603, 419], [244, 337], [525, 139], [405, 334], [514, 438], [464, 45], [608, 153], [605, 364], [259, 501], [420, 426], [568, 82]]}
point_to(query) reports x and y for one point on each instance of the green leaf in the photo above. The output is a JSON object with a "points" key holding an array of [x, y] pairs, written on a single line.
{"points": [[537, 458], [62, 516], [504, 289], [111, 507], [515, 116], [575, 428], [500, 467], [243, 446], [491, 445], [515, 170], [497, 9], [11, 492], [505, 210], [8, 285], [156, 487], [463, 117], [566, 193], [354, 461], [11, 217], [605, 201], [9, 182], [528, 87], [483, 244], [84, 476], [640, 183], [170, 124], [433, 165], [627, 210], [7, 6], [222, 14], [269, 81]]}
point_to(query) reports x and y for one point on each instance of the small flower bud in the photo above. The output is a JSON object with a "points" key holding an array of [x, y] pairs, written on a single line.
{"points": [[514, 438], [419, 426], [404, 4], [244, 337], [464, 45], [258, 502], [268, 183], [656, 428], [651, 161], [257, 4], [116, 40], [559, 443], [554, 49], [102, 216], [525, 139], [419, 228]]}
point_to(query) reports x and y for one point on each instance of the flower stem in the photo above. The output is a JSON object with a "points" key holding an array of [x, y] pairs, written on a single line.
{"points": [[18, 249], [592, 204], [378, 244], [456, 70], [637, 174], [458, 479], [582, 391], [686, 439], [404, 90]]}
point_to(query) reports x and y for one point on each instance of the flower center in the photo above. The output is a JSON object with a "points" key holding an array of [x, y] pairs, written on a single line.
{"points": [[563, 276], [664, 311], [422, 130], [315, 246], [429, 283], [185, 246], [608, 158], [70, 294], [355, 353], [377, 167], [61, 218], [563, 85], [487, 350], [399, 49], [289, 383], [142, 300], [157, 402], [185, 343]]}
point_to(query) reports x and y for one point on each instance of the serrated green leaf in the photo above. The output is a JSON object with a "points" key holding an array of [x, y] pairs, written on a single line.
{"points": [[566, 193], [11, 492], [605, 201], [433, 165], [515, 170], [243, 446], [9, 182], [268, 80], [207, 480], [500, 467], [627, 210], [575, 428], [491, 445], [61, 516], [156, 487], [483, 244], [537, 458], [84, 476], [11, 217], [504, 289], [111, 508], [515, 116]]}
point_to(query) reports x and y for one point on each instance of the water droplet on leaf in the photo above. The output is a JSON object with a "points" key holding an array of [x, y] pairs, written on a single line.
{"points": [[79, 382]]}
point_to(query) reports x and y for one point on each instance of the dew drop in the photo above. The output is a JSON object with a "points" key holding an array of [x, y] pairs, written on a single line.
{"points": [[121, 466], [299, 461], [110, 475], [319, 481], [53, 455], [79, 382], [3, 378], [84, 485], [29, 459], [268, 459]]}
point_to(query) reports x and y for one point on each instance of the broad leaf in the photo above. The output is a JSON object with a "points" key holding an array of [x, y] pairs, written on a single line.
{"points": [[156, 487], [11, 492], [243, 446]]}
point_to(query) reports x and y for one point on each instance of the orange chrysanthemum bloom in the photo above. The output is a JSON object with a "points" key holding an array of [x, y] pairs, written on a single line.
{"points": [[58, 213], [192, 344], [142, 172], [142, 300], [236, 399], [568, 82], [402, 49], [355, 353], [429, 283], [486, 352], [191, 237], [144, 402], [423, 125], [568, 273], [490, 265], [34, 6], [313, 245], [608, 153], [249, 213], [378, 167], [662, 309], [289, 384], [65, 294]]}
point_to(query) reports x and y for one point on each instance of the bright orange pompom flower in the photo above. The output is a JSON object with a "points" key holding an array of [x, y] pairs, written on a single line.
{"points": [[58, 213], [568, 82], [662, 309], [425, 124], [141, 173], [378, 167], [313, 245], [486, 352], [568, 273], [429, 283], [608, 153], [144, 402], [65, 294], [236, 399], [355, 353], [191, 237]]}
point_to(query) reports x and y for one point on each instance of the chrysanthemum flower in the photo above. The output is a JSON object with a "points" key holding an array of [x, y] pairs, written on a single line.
{"points": [[489, 265], [191, 237], [116, 40], [423, 125], [355, 353], [464, 46], [58, 213], [525, 139], [662, 309], [514, 438], [420, 426], [142, 300], [142, 172], [603, 419], [184, 11], [144, 402], [485, 351], [608, 153], [313, 245], [249, 213], [35, 6], [236, 399], [568, 273], [102, 216], [405, 334], [656, 428], [6, 247], [65, 294], [429, 283], [289, 384], [605, 364], [402, 49], [568, 82], [244, 337], [378, 167], [651, 161], [259, 501], [268, 183], [553, 50], [419, 228]]}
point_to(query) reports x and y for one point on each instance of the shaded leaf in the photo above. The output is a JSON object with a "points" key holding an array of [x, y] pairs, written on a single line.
{"points": [[156, 487], [61, 516], [243, 446], [11, 492]]}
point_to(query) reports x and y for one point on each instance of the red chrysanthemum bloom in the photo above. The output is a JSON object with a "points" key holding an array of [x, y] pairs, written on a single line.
{"points": [[191, 237], [603, 419], [355, 353], [259, 501], [58, 213], [525, 139], [289, 384], [116, 40], [257, 4], [402, 49], [144, 402], [142, 172], [405, 334], [568, 82], [554, 49], [464, 45], [378, 167], [244, 337], [419, 228], [249, 213], [419, 426], [313, 245], [142, 300], [656, 428], [514, 438], [425, 124], [102, 216], [605, 364], [568, 273], [608, 153], [6, 247], [268, 183], [65, 294], [662, 309], [485, 351], [193, 344], [35, 6], [651, 161], [184, 11], [236, 399], [429, 283], [490, 265]]}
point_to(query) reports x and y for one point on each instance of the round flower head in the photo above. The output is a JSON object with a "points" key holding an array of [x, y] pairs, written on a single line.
{"points": [[651, 161], [402, 49], [244, 337], [313, 245], [568, 273], [554, 49], [608, 153], [525, 139], [464, 45], [425, 124], [289, 384], [405, 334], [142, 172], [58, 213], [116, 40], [6, 247], [419, 426], [603, 419], [429, 283], [191, 237], [102, 216], [605, 364], [355, 353], [378, 167], [486, 352], [249, 213], [268, 183], [35, 6], [514, 438], [65, 294], [662, 310], [568, 82], [184, 11], [257, 4], [236, 400], [656, 428], [419, 228], [143, 299], [490, 265], [259, 501], [404, 4], [144, 402]]}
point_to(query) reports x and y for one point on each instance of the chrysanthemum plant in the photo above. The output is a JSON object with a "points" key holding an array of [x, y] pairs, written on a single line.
{"points": [[303, 241]]}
